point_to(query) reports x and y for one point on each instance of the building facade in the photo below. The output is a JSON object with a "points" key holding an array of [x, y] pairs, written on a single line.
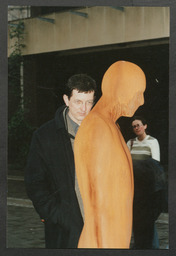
{"points": [[60, 42]]}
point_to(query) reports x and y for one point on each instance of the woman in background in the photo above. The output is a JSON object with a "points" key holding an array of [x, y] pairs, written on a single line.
{"points": [[145, 152]]}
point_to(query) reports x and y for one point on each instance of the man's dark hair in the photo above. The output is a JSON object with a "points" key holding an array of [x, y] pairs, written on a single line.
{"points": [[80, 82], [139, 118]]}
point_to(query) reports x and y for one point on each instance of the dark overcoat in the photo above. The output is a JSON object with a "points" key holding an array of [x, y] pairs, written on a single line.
{"points": [[50, 183]]}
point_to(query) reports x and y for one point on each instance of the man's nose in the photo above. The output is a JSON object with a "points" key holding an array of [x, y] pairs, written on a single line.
{"points": [[83, 106]]}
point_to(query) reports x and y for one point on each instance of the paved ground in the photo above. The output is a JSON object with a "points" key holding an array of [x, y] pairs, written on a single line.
{"points": [[24, 228]]}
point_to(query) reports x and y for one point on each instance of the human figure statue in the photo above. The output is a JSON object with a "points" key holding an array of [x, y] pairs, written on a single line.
{"points": [[103, 161]]}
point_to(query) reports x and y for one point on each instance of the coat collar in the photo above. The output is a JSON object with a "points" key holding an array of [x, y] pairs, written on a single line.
{"points": [[59, 119]]}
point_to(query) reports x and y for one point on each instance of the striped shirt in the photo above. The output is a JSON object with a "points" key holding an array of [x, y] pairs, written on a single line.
{"points": [[147, 148]]}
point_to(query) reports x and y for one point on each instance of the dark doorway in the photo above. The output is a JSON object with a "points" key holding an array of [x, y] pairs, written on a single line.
{"points": [[46, 74]]}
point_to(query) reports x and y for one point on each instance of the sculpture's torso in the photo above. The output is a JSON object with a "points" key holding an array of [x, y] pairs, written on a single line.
{"points": [[105, 176]]}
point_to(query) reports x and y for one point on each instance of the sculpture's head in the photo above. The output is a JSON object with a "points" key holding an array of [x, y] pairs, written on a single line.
{"points": [[123, 86]]}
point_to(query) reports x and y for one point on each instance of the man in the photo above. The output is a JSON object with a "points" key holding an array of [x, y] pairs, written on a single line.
{"points": [[50, 177]]}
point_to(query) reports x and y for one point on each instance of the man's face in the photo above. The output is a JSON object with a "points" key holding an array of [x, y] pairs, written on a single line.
{"points": [[138, 127], [80, 104]]}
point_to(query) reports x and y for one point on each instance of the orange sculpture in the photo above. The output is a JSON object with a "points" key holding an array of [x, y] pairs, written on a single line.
{"points": [[103, 161]]}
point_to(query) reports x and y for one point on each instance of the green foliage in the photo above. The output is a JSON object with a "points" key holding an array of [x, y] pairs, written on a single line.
{"points": [[19, 130], [14, 74], [17, 33], [20, 133]]}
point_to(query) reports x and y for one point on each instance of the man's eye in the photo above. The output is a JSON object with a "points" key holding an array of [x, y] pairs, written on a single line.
{"points": [[78, 102]]}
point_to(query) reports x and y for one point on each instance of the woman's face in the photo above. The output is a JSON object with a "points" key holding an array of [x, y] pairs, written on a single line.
{"points": [[138, 127]]}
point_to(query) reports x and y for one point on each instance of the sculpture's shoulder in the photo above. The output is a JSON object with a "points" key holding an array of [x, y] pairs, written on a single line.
{"points": [[94, 127], [94, 121]]}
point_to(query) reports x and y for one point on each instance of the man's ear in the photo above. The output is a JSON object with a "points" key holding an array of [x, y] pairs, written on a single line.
{"points": [[145, 126], [66, 100]]}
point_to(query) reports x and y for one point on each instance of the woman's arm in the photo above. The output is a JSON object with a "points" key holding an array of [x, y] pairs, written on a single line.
{"points": [[155, 150]]}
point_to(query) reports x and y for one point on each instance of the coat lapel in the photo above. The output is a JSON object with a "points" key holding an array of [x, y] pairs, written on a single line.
{"points": [[60, 126]]}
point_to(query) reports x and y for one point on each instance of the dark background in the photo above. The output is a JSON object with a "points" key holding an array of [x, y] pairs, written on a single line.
{"points": [[45, 76]]}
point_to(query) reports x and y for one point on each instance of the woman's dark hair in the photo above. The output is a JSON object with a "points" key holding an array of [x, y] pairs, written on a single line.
{"points": [[80, 82], [139, 118]]}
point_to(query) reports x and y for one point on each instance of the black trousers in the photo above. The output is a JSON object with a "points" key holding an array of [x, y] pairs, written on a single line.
{"points": [[143, 234], [143, 224], [55, 236]]}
